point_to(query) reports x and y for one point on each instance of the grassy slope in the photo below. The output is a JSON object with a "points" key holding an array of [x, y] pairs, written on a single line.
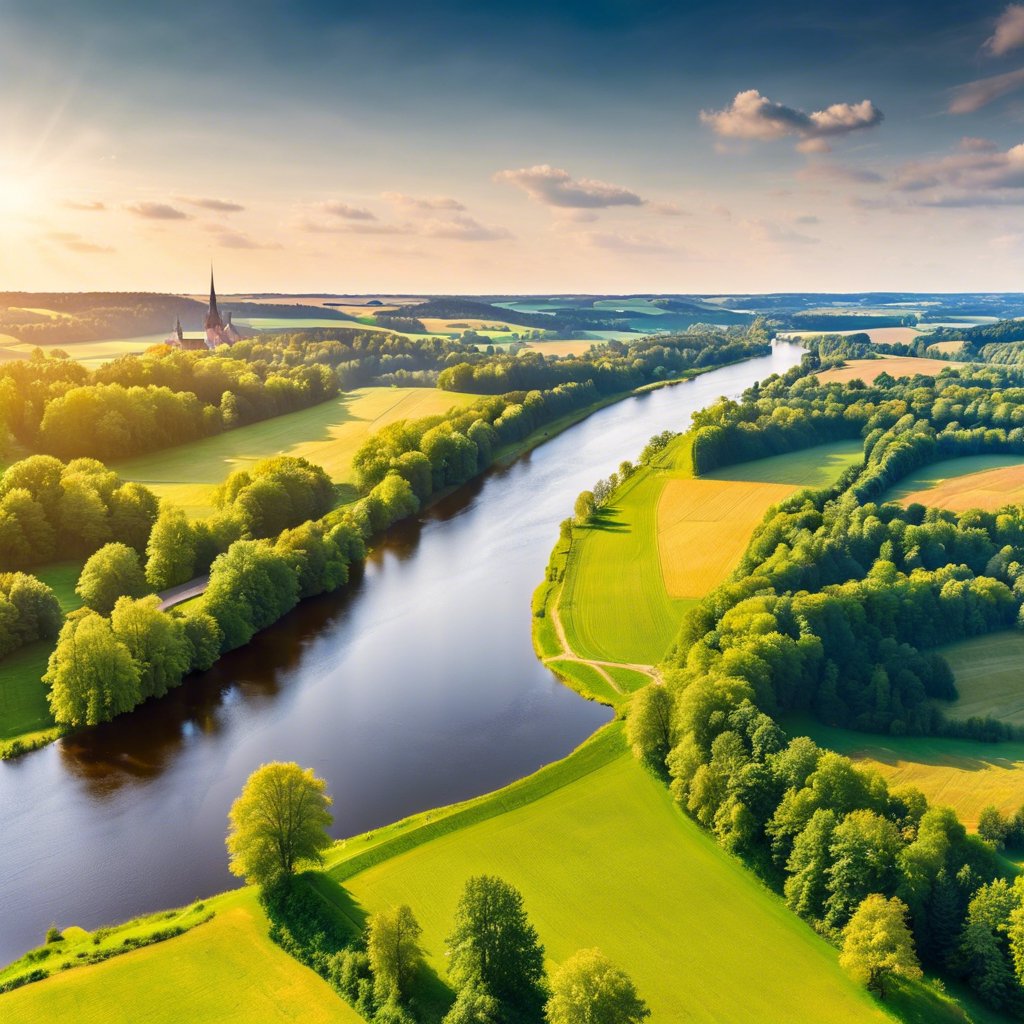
{"points": [[225, 970], [988, 677], [615, 564], [327, 434], [966, 775], [604, 858]]}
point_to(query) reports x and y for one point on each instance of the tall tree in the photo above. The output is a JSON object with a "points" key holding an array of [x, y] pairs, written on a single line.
{"points": [[279, 820], [649, 725], [395, 955], [877, 944], [109, 573], [155, 640], [589, 989]]}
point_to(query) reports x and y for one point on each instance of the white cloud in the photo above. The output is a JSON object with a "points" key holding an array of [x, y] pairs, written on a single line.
{"points": [[972, 96], [979, 173], [753, 116], [1009, 33], [346, 211], [553, 186], [422, 203], [207, 203], [156, 211]]}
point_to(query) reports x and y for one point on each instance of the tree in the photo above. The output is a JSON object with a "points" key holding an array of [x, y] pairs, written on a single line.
{"points": [[91, 674], [589, 988], [474, 1005], [993, 827], [279, 821], [171, 551], [492, 943], [111, 572], [584, 507], [863, 855], [877, 945], [155, 640], [985, 954], [649, 725], [395, 956]]}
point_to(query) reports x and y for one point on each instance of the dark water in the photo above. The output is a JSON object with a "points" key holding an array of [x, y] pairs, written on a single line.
{"points": [[417, 687]]}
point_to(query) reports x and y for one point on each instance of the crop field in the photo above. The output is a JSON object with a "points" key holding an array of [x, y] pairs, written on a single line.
{"points": [[91, 353], [974, 481], [642, 552], [327, 434], [604, 858], [226, 970], [564, 348], [896, 366], [966, 775], [989, 673], [946, 347]]}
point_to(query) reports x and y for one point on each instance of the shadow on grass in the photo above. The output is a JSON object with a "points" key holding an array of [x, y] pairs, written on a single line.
{"points": [[920, 1003], [431, 997], [607, 519]]}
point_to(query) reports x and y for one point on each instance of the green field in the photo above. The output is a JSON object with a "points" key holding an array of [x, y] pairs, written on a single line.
{"points": [[327, 434], [24, 712], [933, 475], [615, 563], [989, 673], [61, 578], [604, 858], [225, 970], [966, 775], [94, 353]]}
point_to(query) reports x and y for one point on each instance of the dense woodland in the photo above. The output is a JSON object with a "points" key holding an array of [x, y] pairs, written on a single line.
{"points": [[834, 612]]}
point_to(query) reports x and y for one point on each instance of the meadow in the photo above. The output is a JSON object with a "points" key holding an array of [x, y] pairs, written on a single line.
{"points": [[989, 673], [91, 353], [665, 539], [327, 434], [896, 366], [604, 858], [975, 481], [966, 775], [222, 970]]}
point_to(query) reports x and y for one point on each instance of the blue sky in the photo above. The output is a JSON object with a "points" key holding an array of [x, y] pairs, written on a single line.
{"points": [[531, 147]]}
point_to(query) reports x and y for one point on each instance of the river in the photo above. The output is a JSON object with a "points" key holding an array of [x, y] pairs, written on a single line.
{"points": [[416, 687]]}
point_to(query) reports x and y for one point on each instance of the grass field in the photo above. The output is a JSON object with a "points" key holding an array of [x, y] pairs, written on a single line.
{"points": [[946, 347], [61, 578], [604, 858], [24, 712], [896, 366], [327, 434], [974, 481], [984, 481], [563, 348], [989, 673], [93, 353], [660, 545], [225, 970], [963, 774]]}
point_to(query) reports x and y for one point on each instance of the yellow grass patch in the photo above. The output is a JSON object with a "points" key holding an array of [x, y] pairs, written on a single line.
{"points": [[989, 490], [442, 325], [562, 348], [704, 527], [946, 347], [896, 366]]}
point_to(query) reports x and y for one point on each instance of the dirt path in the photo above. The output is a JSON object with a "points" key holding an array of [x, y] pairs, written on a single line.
{"points": [[568, 654], [183, 592]]}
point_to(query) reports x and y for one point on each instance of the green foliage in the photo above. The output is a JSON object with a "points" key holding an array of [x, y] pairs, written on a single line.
{"points": [[280, 820], [29, 611], [474, 1005], [494, 946], [877, 944], [171, 551], [113, 571], [155, 641], [589, 987], [392, 944]]}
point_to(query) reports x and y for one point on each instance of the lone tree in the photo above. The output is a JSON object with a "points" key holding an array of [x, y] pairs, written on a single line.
{"points": [[877, 944], [589, 987], [493, 946], [280, 820], [395, 955], [112, 572]]}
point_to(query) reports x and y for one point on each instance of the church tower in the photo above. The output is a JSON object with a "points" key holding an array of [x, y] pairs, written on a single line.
{"points": [[213, 320]]}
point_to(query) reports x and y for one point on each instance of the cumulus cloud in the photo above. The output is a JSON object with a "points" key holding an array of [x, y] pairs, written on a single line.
{"points": [[75, 242], [554, 186], [336, 208], [824, 172], [422, 203], [90, 206], [156, 211], [207, 203], [1009, 33], [975, 171], [753, 116], [972, 96]]}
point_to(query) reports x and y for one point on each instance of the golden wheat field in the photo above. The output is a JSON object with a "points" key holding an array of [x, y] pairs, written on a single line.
{"points": [[946, 347], [989, 490], [704, 527], [896, 366], [563, 348]]}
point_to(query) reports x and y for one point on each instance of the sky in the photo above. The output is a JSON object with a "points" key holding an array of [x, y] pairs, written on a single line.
{"points": [[609, 146]]}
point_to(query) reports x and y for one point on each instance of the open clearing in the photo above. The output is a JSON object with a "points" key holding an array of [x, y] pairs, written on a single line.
{"points": [[966, 775], [989, 673], [92, 353], [946, 347], [604, 858], [224, 970], [896, 366], [327, 434], [975, 481], [564, 348], [660, 545]]}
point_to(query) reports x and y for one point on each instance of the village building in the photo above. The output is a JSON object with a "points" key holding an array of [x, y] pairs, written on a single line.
{"points": [[216, 331]]}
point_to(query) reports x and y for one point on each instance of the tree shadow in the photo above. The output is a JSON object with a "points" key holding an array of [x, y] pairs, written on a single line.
{"points": [[608, 520]]}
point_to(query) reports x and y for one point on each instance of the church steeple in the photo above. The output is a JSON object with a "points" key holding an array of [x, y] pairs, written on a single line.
{"points": [[213, 315]]}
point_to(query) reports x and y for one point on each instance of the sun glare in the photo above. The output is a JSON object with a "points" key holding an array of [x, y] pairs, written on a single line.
{"points": [[17, 194]]}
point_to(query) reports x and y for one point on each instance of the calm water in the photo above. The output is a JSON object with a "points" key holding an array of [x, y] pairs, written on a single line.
{"points": [[417, 687]]}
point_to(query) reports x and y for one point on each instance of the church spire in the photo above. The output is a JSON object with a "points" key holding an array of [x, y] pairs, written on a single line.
{"points": [[213, 315]]}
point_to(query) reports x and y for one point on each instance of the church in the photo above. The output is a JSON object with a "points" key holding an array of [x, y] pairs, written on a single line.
{"points": [[215, 330]]}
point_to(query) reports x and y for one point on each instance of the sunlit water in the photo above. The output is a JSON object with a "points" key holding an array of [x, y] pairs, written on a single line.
{"points": [[417, 687]]}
